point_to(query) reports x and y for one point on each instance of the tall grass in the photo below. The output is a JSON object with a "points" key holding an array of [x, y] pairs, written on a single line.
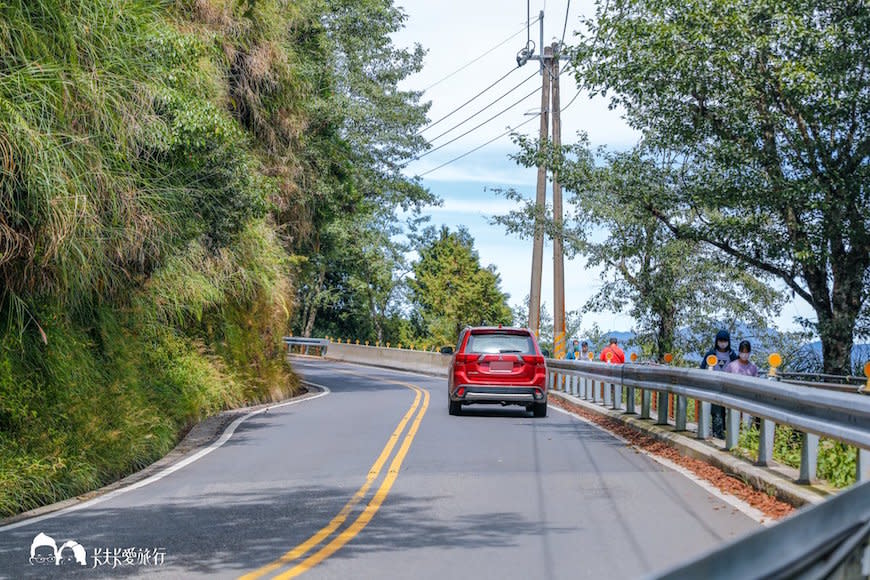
{"points": [[142, 285]]}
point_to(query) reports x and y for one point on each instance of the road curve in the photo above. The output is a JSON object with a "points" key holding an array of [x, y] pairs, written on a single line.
{"points": [[376, 480]]}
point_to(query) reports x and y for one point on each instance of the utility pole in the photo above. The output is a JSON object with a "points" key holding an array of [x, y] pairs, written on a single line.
{"points": [[540, 200], [550, 78], [559, 329]]}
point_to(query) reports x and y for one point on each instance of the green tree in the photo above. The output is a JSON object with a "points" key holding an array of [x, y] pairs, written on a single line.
{"points": [[361, 132], [665, 283], [763, 105], [451, 289]]}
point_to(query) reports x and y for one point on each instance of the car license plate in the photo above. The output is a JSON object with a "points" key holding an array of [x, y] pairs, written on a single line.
{"points": [[501, 366]]}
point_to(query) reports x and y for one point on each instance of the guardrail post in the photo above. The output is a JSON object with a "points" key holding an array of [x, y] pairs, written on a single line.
{"points": [[732, 428], [629, 400], [765, 442], [809, 456], [863, 465], [662, 408], [607, 394], [617, 396], [680, 411], [703, 419], [645, 396], [575, 385]]}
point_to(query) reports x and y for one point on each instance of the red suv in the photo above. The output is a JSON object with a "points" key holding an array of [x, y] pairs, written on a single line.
{"points": [[495, 365]]}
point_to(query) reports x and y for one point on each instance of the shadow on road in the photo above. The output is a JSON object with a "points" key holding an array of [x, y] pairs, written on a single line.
{"points": [[238, 532]]}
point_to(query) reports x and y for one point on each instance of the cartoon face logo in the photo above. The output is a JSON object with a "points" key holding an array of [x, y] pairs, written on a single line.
{"points": [[71, 553], [44, 550]]}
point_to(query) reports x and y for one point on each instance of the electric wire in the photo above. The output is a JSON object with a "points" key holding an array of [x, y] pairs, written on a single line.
{"points": [[479, 125], [565, 26], [470, 117], [463, 105], [468, 64], [594, 42], [479, 147]]}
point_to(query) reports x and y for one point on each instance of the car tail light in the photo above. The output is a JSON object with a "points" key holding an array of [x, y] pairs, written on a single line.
{"points": [[535, 360], [463, 358], [460, 392]]}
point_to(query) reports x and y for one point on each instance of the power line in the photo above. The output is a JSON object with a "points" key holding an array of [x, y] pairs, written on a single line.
{"points": [[468, 64], [594, 42], [479, 125], [460, 107], [479, 147], [565, 26], [524, 81]]}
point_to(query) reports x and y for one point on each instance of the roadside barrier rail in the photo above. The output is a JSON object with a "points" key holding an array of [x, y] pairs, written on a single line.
{"points": [[829, 540], [305, 345], [814, 412]]}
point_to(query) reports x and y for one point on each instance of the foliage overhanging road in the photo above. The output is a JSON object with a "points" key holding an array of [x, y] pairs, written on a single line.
{"points": [[493, 493]]}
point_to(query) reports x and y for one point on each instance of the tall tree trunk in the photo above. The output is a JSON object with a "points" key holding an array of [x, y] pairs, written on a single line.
{"points": [[314, 298], [837, 302], [666, 333]]}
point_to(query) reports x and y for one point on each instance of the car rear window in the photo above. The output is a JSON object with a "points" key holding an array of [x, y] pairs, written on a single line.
{"points": [[493, 343]]}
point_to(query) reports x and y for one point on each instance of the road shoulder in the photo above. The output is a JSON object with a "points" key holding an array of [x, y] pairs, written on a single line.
{"points": [[199, 439]]}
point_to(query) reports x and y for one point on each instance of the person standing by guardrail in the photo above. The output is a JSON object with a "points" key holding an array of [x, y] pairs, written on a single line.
{"points": [[743, 366], [574, 353], [617, 356], [724, 355]]}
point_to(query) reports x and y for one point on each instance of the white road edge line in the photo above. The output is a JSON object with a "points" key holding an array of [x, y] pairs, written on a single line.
{"points": [[731, 500], [228, 432]]}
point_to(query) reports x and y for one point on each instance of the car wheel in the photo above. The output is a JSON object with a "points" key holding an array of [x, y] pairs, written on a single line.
{"points": [[540, 409], [454, 407]]}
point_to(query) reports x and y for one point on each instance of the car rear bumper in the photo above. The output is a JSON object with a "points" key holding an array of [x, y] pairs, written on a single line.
{"points": [[519, 395]]}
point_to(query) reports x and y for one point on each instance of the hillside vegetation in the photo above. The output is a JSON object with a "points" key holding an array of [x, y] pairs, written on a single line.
{"points": [[169, 171]]}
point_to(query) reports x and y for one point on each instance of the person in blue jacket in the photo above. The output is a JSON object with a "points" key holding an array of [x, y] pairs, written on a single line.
{"points": [[724, 355]]}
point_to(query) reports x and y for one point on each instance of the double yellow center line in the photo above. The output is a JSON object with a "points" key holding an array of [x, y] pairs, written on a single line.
{"points": [[374, 504]]}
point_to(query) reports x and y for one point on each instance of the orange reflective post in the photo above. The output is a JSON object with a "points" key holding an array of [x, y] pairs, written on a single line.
{"points": [[774, 360]]}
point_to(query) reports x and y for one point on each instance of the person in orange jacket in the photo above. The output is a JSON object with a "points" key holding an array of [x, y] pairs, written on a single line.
{"points": [[618, 356]]}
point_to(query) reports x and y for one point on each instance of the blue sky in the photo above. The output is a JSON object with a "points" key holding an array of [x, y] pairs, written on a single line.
{"points": [[455, 33]]}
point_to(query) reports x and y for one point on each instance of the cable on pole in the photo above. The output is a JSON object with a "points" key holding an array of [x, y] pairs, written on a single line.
{"points": [[479, 125], [459, 124], [565, 26], [471, 62], [463, 105], [479, 147]]}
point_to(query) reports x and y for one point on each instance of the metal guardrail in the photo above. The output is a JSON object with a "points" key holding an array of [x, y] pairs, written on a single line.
{"points": [[841, 383], [824, 378], [840, 416], [305, 345], [829, 540]]}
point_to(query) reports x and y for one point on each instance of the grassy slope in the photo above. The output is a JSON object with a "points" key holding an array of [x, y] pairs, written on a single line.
{"points": [[142, 283]]}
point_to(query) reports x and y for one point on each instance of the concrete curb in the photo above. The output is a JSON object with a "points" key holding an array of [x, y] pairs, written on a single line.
{"points": [[777, 481], [200, 436]]}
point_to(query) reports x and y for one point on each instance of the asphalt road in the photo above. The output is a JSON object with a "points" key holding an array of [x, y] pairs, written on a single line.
{"points": [[376, 480]]}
